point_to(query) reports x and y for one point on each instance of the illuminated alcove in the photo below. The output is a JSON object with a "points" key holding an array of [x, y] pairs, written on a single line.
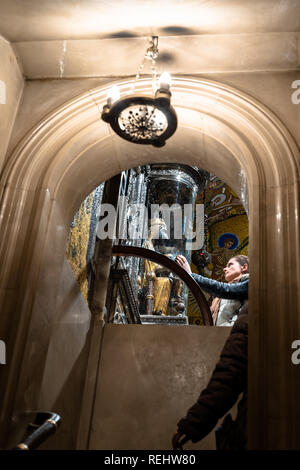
{"points": [[224, 223], [70, 152]]}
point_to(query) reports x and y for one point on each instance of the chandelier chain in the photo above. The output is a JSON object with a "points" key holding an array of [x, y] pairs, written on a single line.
{"points": [[151, 54], [143, 119]]}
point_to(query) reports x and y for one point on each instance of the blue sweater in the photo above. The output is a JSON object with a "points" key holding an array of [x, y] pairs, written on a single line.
{"points": [[223, 290]]}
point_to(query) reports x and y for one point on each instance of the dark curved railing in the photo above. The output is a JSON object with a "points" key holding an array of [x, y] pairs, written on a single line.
{"points": [[44, 425], [122, 250]]}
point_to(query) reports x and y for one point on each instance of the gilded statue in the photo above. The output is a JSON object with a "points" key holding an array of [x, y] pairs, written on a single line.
{"points": [[163, 290]]}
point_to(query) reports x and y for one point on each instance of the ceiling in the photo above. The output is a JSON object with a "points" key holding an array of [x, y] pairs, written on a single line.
{"points": [[80, 38], [48, 20]]}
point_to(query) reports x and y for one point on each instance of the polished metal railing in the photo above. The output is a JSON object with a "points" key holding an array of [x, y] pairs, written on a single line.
{"points": [[44, 425]]}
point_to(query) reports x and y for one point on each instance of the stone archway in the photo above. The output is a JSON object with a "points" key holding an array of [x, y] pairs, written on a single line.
{"points": [[71, 151]]}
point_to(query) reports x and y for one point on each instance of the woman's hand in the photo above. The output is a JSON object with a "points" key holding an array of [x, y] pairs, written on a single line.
{"points": [[182, 261]]}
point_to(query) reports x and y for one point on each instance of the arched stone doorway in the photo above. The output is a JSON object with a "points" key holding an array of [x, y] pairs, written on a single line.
{"points": [[71, 151]]}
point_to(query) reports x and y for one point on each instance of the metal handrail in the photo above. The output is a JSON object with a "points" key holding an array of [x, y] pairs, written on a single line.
{"points": [[45, 424], [125, 250]]}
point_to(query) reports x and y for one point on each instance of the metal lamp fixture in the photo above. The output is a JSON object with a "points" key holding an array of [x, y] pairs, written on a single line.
{"points": [[143, 119]]}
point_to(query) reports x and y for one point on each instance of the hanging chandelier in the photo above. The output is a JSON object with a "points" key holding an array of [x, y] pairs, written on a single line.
{"points": [[143, 119]]}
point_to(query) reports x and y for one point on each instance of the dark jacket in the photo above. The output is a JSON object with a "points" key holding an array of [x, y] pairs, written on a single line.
{"points": [[227, 382], [224, 290]]}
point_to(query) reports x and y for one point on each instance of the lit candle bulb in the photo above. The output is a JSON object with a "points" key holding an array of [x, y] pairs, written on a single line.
{"points": [[113, 95], [165, 81]]}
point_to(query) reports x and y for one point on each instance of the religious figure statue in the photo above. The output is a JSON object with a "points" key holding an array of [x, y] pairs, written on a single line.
{"points": [[163, 289], [220, 256]]}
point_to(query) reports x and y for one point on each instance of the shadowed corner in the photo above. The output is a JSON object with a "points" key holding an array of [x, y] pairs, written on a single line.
{"points": [[165, 58], [121, 34], [178, 30]]}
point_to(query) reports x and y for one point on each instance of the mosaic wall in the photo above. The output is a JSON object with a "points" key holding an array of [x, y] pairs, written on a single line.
{"points": [[226, 226], [81, 240], [226, 233]]}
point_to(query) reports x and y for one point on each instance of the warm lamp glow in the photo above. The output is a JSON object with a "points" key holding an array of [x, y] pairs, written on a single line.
{"points": [[165, 81], [113, 95], [143, 119]]}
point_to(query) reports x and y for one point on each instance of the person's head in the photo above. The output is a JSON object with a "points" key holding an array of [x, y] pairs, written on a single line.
{"points": [[236, 267], [228, 242]]}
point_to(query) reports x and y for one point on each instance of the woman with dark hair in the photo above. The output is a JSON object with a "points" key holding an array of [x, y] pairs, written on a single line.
{"points": [[230, 295]]}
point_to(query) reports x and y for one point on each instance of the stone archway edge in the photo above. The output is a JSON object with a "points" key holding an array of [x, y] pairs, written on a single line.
{"points": [[86, 108], [65, 156]]}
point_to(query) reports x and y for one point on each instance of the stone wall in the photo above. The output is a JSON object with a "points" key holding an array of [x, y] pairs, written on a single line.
{"points": [[11, 87], [149, 375]]}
